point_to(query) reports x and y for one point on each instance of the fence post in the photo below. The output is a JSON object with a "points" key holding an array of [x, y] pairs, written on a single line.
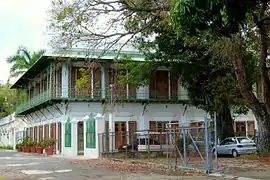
{"points": [[208, 150], [184, 146], [216, 142]]}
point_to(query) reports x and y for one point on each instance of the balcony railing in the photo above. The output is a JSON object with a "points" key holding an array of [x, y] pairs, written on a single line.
{"points": [[36, 100], [97, 94], [123, 94]]}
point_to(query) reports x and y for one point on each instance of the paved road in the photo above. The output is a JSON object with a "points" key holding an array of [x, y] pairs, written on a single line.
{"points": [[18, 166]]}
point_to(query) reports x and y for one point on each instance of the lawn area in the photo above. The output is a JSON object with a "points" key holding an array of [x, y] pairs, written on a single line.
{"points": [[6, 147]]}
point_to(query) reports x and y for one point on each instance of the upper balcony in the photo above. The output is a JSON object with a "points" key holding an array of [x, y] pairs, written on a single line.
{"points": [[54, 79], [34, 101]]}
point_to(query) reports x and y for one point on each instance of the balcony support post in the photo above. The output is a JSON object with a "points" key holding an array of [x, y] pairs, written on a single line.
{"points": [[56, 137], [127, 87], [65, 79], [48, 76], [51, 80], [92, 83], [104, 78]]}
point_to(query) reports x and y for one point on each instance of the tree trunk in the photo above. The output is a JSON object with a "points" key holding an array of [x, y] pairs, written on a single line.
{"points": [[261, 110], [225, 123], [263, 138]]}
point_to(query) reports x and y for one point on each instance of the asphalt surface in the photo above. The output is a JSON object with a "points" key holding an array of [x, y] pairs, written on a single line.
{"points": [[18, 166]]}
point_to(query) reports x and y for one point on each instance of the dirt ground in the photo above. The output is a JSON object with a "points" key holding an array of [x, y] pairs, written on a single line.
{"points": [[226, 165]]}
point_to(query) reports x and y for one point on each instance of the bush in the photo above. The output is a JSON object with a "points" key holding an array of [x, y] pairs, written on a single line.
{"points": [[181, 143]]}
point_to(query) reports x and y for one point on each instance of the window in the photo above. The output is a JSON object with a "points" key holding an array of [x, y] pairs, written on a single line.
{"points": [[244, 140], [228, 142]]}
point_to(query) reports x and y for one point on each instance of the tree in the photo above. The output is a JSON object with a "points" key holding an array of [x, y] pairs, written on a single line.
{"points": [[22, 60], [139, 20], [8, 98], [103, 24], [233, 21], [211, 83]]}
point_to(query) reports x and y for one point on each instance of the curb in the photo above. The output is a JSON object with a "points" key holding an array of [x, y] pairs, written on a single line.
{"points": [[7, 150], [231, 177]]}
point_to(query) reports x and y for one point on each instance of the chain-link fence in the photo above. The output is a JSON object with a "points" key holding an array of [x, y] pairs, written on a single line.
{"points": [[175, 147]]}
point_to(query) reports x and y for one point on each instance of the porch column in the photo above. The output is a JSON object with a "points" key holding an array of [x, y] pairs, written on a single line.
{"points": [[63, 136], [14, 139], [37, 133], [74, 143], [28, 131], [65, 80], [56, 137], [43, 131], [111, 133], [142, 126], [49, 130], [33, 133]]}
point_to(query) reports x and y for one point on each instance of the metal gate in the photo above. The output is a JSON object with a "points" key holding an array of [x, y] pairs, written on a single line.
{"points": [[189, 146], [176, 146]]}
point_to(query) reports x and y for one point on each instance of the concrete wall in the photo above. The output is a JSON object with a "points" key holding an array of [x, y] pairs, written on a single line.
{"points": [[77, 111], [133, 112], [10, 130]]}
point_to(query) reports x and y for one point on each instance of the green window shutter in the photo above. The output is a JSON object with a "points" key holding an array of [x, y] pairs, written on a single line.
{"points": [[91, 133], [88, 138], [68, 134]]}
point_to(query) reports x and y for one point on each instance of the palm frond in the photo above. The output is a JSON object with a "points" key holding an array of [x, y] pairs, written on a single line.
{"points": [[16, 73]]}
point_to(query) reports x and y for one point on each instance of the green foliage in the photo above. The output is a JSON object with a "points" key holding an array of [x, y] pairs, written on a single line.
{"points": [[138, 72], [8, 99], [83, 81], [22, 60], [66, 11], [6, 147]]}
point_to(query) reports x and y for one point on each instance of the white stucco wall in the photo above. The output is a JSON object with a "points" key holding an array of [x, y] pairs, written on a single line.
{"points": [[9, 127], [246, 117], [133, 111], [77, 112]]}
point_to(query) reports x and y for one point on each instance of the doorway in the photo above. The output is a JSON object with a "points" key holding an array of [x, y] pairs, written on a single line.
{"points": [[120, 134], [80, 138]]}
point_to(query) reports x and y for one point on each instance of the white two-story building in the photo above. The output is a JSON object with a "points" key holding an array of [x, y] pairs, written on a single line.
{"points": [[57, 108]]}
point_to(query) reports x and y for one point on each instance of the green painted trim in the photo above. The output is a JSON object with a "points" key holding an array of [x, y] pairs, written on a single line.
{"points": [[68, 132], [25, 110]]}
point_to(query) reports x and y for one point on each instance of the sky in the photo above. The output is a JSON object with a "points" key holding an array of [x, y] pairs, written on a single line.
{"points": [[23, 22]]}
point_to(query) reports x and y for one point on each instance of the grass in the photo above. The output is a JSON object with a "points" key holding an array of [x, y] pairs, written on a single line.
{"points": [[6, 147], [260, 157]]}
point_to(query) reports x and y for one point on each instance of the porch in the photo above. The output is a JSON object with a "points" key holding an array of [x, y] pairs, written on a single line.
{"points": [[38, 132]]}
